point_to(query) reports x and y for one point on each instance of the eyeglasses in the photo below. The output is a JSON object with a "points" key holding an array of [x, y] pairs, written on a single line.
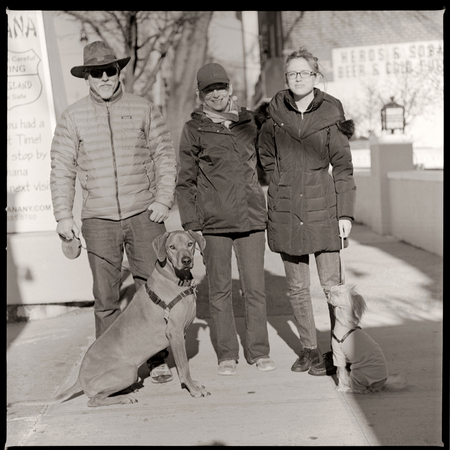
{"points": [[98, 73], [303, 74]]}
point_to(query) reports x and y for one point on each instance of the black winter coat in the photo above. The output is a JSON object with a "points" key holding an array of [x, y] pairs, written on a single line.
{"points": [[218, 189], [304, 200]]}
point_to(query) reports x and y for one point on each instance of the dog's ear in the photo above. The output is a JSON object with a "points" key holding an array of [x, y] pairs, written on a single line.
{"points": [[358, 303], [199, 239], [159, 245]]}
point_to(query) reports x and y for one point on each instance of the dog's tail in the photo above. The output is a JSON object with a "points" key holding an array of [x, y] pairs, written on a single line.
{"points": [[392, 383], [395, 383], [51, 401]]}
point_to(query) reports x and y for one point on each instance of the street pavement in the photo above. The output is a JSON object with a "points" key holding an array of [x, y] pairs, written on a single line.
{"points": [[402, 286]]}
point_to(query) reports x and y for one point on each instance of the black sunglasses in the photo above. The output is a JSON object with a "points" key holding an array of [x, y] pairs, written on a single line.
{"points": [[98, 73]]}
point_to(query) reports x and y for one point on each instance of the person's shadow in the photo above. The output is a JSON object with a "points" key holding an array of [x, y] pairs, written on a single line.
{"points": [[279, 311]]}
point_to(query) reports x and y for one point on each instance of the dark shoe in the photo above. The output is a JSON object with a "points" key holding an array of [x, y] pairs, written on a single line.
{"points": [[308, 357], [326, 367]]}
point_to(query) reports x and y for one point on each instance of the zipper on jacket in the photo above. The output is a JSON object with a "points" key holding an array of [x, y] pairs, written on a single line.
{"points": [[116, 179]]}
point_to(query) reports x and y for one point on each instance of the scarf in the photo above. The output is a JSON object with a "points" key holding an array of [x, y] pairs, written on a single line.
{"points": [[225, 117]]}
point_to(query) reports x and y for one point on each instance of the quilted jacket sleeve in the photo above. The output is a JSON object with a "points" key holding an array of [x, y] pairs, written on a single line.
{"points": [[63, 173], [341, 161], [266, 148], [164, 156], [187, 181]]}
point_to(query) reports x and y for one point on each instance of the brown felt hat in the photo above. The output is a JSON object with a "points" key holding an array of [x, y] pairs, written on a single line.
{"points": [[96, 55]]}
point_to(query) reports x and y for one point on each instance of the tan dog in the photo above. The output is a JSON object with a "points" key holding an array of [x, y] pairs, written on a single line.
{"points": [[149, 324], [355, 348]]}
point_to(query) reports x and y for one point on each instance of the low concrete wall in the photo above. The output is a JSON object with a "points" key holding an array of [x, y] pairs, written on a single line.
{"points": [[393, 199], [417, 208], [39, 273]]}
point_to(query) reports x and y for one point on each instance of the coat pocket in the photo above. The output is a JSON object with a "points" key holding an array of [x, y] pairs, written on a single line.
{"points": [[83, 177], [150, 175], [316, 149]]}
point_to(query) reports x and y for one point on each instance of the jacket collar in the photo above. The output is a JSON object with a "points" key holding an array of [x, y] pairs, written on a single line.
{"points": [[283, 110], [316, 102], [117, 95], [199, 114]]}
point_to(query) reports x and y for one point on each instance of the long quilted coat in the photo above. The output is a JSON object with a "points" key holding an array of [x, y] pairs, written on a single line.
{"points": [[218, 189], [121, 151], [304, 200]]}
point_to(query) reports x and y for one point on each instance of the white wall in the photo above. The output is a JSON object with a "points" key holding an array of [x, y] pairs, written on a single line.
{"points": [[406, 204]]}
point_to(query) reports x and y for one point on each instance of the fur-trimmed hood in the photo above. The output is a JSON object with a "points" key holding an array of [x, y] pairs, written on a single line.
{"points": [[327, 110], [346, 127]]}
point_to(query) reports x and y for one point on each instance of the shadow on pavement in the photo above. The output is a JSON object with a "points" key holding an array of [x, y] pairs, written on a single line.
{"points": [[403, 288]]}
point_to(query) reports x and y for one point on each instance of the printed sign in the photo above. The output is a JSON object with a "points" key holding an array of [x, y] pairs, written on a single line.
{"points": [[30, 125], [387, 59]]}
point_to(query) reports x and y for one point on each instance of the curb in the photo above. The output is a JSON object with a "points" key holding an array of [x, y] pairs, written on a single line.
{"points": [[26, 313]]}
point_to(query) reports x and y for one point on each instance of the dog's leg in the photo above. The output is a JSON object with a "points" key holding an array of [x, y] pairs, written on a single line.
{"points": [[343, 380], [114, 381], [104, 399], [178, 346]]}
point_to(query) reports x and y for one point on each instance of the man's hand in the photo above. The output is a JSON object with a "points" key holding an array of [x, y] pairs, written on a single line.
{"points": [[159, 212], [345, 226], [67, 229]]}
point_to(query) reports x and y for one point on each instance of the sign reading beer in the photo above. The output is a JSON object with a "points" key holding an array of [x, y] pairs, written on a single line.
{"points": [[387, 59], [30, 125]]}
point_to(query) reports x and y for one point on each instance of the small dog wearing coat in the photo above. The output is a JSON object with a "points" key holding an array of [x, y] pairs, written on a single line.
{"points": [[355, 348]]}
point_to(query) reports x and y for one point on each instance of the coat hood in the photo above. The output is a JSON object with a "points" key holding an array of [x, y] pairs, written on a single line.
{"points": [[328, 111]]}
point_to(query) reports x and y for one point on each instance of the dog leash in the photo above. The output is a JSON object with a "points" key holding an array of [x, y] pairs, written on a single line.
{"points": [[342, 264]]}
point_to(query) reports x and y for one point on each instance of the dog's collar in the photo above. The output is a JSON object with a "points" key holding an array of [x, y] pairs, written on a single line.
{"points": [[187, 282], [346, 335]]}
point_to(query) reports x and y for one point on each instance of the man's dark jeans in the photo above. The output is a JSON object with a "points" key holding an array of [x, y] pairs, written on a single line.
{"points": [[105, 243]]}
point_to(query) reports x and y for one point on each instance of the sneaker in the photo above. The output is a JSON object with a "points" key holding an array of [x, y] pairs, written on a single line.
{"points": [[326, 367], [160, 373], [227, 367], [265, 364], [71, 247], [307, 358]]}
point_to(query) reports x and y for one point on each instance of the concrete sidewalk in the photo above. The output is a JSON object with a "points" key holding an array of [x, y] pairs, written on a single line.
{"points": [[403, 288]]}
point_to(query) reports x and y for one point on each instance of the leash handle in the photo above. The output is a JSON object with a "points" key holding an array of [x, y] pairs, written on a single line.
{"points": [[342, 265]]}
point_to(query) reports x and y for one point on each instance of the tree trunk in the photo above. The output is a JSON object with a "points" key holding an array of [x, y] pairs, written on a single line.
{"points": [[190, 55]]}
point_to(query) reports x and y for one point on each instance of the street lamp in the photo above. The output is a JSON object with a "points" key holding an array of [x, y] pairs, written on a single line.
{"points": [[393, 117]]}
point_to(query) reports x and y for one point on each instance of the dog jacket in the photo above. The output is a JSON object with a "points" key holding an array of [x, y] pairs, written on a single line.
{"points": [[368, 364]]}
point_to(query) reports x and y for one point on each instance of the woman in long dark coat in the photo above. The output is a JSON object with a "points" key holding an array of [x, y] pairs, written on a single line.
{"points": [[309, 208]]}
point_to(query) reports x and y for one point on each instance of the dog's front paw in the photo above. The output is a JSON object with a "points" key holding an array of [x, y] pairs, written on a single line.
{"points": [[343, 388], [197, 390]]}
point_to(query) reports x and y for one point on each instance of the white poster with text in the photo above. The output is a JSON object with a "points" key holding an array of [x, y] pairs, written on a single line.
{"points": [[30, 125]]}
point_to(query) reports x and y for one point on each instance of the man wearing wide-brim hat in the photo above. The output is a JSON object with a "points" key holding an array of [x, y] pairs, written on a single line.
{"points": [[119, 146]]}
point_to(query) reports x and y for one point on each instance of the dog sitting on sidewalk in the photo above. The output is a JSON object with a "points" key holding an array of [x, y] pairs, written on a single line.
{"points": [[361, 365], [158, 316]]}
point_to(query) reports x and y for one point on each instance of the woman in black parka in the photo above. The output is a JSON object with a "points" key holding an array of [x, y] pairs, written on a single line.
{"points": [[309, 209], [219, 195]]}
